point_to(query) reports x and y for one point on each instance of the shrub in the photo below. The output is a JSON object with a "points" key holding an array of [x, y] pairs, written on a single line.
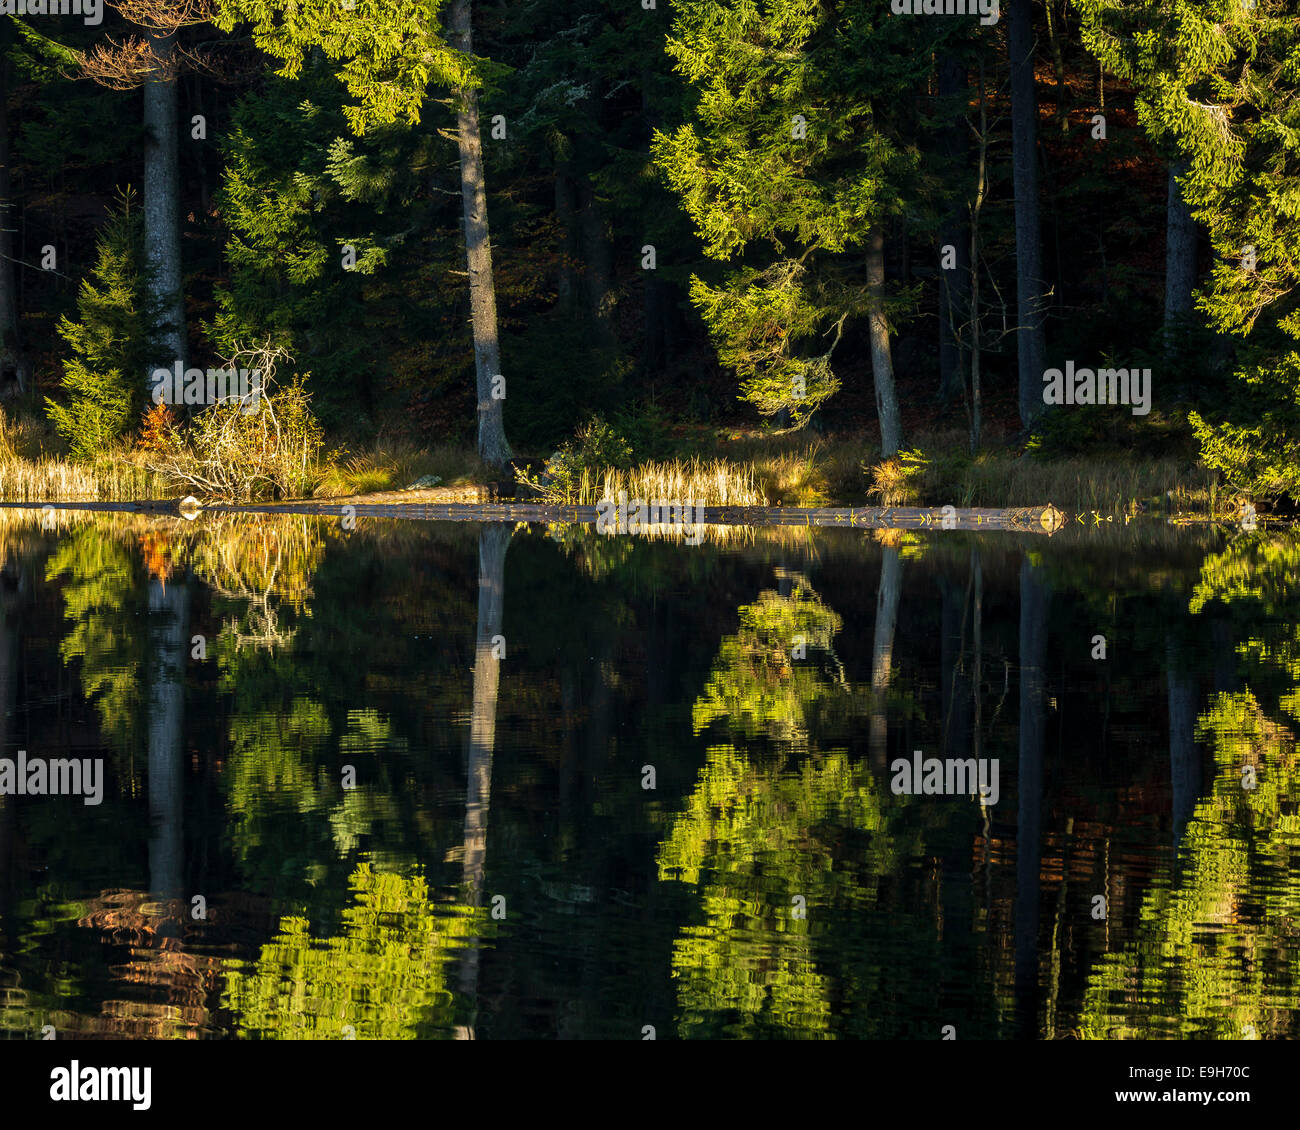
{"points": [[231, 453], [900, 480]]}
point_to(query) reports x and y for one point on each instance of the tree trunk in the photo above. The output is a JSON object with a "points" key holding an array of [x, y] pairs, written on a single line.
{"points": [[888, 596], [566, 218], [492, 446], [13, 362], [11, 606], [954, 283], [1180, 259], [598, 259], [494, 540], [977, 208], [1031, 292], [1184, 758], [162, 219], [168, 625], [882, 363], [1035, 597]]}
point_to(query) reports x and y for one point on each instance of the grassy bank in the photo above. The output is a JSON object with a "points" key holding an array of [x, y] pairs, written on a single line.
{"points": [[800, 469], [846, 470]]}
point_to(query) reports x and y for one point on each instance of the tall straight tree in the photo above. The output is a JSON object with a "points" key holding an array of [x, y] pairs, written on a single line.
{"points": [[492, 445], [153, 62], [790, 164], [391, 52], [161, 192], [1031, 290], [12, 358]]}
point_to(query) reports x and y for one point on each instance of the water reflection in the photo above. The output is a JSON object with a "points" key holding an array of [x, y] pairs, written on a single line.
{"points": [[391, 783]]}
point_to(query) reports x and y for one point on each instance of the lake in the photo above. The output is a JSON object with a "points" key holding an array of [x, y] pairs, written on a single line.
{"points": [[272, 778]]}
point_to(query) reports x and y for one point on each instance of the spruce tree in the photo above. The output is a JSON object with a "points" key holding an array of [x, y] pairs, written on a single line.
{"points": [[391, 52], [1219, 81], [110, 342], [791, 165]]}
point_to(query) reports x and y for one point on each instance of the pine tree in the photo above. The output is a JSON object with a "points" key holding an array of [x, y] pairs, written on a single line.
{"points": [[110, 342]]}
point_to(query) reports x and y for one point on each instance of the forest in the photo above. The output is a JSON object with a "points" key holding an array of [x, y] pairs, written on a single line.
{"points": [[798, 251]]}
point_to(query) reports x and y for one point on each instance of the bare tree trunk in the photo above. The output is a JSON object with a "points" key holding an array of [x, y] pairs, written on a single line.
{"points": [[13, 361], [1031, 291], [162, 219], [954, 282], [882, 363], [977, 208], [598, 259], [492, 446], [494, 540], [1180, 259], [565, 216]]}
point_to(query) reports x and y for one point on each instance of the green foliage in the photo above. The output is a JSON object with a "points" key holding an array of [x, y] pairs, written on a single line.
{"points": [[384, 974], [104, 607], [390, 51], [1261, 459], [296, 190], [1219, 81], [790, 160], [597, 447], [104, 381], [756, 686], [900, 480]]}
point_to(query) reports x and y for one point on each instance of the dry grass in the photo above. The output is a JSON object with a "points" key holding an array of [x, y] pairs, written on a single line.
{"points": [[1108, 486], [713, 482], [29, 474], [397, 466], [799, 469]]}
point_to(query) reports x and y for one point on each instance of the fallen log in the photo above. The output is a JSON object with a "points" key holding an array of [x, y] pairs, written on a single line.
{"points": [[1020, 519]]}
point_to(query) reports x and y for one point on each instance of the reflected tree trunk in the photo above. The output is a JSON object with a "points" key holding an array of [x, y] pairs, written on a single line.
{"points": [[1184, 758], [494, 540], [1226, 679], [168, 625], [955, 679], [12, 590], [888, 596], [1035, 598]]}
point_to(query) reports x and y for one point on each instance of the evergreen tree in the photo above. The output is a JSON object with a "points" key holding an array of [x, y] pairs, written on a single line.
{"points": [[110, 342], [1219, 80], [390, 54], [299, 193], [789, 164]]}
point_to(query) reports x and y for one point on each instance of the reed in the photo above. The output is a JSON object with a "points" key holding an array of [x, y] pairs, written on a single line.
{"points": [[714, 482]]}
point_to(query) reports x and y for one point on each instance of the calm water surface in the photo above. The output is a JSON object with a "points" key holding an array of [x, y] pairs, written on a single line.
{"points": [[425, 780]]}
